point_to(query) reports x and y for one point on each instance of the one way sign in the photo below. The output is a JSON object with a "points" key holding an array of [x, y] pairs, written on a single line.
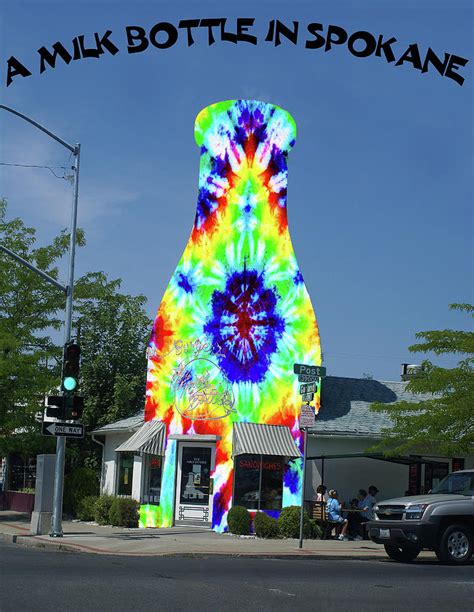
{"points": [[63, 429]]}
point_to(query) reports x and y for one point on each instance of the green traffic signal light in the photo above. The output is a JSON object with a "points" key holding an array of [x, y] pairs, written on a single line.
{"points": [[71, 365], [69, 383]]}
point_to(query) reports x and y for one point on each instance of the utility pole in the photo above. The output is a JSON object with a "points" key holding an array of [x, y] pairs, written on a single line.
{"points": [[56, 523], [305, 434], [56, 526]]}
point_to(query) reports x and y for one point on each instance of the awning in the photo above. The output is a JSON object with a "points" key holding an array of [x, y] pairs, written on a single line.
{"points": [[150, 439], [407, 460], [257, 439]]}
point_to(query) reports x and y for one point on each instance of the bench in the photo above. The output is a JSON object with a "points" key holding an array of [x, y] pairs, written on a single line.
{"points": [[318, 513]]}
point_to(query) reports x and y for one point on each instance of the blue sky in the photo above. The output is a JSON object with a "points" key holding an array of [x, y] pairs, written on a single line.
{"points": [[380, 178]]}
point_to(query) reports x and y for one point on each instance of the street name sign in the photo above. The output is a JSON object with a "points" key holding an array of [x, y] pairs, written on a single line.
{"points": [[307, 378], [307, 397], [306, 416], [307, 388], [309, 370], [63, 429]]}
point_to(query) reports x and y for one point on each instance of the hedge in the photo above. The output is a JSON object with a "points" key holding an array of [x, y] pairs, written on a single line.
{"points": [[81, 483], [265, 526], [289, 523], [124, 512], [102, 509], [86, 508], [239, 521]]}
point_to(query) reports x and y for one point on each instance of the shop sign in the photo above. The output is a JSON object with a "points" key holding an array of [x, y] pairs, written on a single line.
{"points": [[202, 391]]}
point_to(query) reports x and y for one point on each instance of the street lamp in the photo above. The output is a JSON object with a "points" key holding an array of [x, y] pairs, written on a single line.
{"points": [[56, 523]]}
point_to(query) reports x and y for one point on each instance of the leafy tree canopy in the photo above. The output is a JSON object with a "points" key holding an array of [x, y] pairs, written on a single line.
{"points": [[112, 328], [442, 421]]}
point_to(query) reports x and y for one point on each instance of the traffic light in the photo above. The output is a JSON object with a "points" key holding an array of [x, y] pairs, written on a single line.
{"points": [[55, 406], [72, 355], [74, 407]]}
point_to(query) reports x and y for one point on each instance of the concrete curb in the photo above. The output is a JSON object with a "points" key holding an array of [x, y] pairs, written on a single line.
{"points": [[55, 545]]}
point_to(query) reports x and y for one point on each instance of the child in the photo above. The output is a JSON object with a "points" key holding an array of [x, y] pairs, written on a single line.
{"points": [[333, 509]]}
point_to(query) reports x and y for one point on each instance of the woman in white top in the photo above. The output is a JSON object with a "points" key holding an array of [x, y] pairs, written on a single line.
{"points": [[320, 495]]}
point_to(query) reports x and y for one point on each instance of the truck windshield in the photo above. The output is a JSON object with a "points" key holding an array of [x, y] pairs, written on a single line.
{"points": [[458, 483]]}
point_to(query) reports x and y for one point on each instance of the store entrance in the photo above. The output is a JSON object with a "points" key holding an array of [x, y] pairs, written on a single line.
{"points": [[194, 485]]}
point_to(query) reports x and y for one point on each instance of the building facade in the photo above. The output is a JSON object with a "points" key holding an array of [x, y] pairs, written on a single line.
{"points": [[222, 408], [339, 449]]}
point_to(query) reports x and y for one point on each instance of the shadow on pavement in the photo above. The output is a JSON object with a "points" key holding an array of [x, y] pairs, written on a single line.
{"points": [[7, 516]]}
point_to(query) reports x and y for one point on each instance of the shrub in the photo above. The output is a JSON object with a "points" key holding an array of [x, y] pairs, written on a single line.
{"points": [[102, 509], [265, 526], [289, 523], [315, 530], [86, 508], [239, 520], [78, 484], [124, 512]]}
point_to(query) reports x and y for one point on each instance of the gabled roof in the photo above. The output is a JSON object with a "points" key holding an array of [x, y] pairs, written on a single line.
{"points": [[344, 409], [345, 405], [124, 425]]}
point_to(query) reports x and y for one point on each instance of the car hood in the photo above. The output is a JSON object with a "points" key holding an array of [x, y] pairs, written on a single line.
{"points": [[421, 499]]}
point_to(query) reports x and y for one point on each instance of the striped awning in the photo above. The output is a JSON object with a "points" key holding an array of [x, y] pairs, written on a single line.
{"points": [[257, 439], [150, 439]]}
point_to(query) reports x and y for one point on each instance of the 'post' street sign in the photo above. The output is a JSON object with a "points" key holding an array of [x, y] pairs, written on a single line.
{"points": [[63, 429], [308, 370]]}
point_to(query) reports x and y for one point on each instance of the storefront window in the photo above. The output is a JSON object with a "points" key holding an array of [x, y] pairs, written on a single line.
{"points": [[152, 480], [22, 473], [125, 474], [258, 483]]}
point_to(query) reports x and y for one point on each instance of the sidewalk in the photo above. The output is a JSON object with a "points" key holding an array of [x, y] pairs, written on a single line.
{"points": [[91, 538]]}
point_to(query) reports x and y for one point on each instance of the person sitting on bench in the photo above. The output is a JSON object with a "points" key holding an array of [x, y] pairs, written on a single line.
{"points": [[333, 509]]}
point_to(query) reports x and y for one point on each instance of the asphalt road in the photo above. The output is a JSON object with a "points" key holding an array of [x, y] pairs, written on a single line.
{"points": [[32, 579]]}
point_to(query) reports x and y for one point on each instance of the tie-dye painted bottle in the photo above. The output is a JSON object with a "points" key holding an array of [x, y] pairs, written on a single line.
{"points": [[236, 314]]}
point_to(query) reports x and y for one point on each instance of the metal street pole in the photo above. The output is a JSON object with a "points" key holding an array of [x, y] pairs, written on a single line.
{"points": [[305, 433], [56, 523]]}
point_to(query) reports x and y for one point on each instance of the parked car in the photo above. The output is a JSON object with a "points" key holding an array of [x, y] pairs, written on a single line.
{"points": [[442, 521]]}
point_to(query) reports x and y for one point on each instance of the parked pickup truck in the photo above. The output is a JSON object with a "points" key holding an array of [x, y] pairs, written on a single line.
{"points": [[442, 521]]}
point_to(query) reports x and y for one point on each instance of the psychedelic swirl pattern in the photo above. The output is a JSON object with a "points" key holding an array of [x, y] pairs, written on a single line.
{"points": [[236, 314]]}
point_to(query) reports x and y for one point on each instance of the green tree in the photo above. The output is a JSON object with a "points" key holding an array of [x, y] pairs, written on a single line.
{"points": [[31, 310], [113, 330], [111, 327], [442, 421]]}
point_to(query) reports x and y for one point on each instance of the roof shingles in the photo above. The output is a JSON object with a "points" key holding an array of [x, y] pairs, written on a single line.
{"points": [[344, 410], [345, 405]]}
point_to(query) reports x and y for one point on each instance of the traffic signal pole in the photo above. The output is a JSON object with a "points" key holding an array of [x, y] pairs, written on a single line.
{"points": [[56, 523]]}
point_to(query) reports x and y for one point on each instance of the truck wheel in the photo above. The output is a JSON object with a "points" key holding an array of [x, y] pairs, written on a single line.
{"points": [[456, 545], [402, 553]]}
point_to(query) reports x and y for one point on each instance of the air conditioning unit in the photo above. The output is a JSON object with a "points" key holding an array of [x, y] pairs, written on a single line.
{"points": [[409, 370]]}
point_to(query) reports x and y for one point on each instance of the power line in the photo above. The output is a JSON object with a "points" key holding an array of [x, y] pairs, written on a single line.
{"points": [[390, 357], [39, 166]]}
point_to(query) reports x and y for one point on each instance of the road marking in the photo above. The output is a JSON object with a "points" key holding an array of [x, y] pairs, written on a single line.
{"points": [[283, 592]]}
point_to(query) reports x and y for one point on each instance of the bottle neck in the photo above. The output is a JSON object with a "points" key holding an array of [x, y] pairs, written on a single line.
{"points": [[243, 167]]}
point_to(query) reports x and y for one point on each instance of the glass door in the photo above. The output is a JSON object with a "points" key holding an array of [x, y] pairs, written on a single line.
{"points": [[194, 483]]}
